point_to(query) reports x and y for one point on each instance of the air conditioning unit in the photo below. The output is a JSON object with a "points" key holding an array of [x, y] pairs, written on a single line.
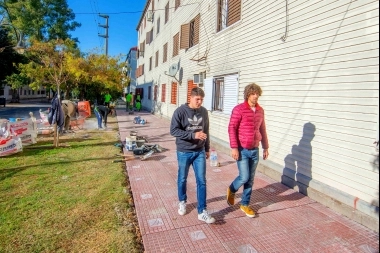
{"points": [[149, 16]]}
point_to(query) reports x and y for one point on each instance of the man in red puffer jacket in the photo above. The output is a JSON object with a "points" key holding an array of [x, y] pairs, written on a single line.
{"points": [[246, 131]]}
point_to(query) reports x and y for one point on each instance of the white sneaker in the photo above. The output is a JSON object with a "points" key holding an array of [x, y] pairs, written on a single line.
{"points": [[206, 217], [182, 208]]}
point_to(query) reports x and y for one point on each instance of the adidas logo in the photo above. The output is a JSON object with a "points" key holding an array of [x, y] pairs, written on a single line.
{"points": [[195, 121]]}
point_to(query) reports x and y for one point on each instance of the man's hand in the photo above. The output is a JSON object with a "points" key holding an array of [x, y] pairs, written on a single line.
{"points": [[200, 136], [235, 154], [265, 154], [207, 155]]}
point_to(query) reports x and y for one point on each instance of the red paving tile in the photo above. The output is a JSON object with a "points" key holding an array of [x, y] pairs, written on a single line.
{"points": [[287, 221]]}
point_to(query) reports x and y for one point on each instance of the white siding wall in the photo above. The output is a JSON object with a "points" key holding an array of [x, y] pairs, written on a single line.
{"points": [[325, 74]]}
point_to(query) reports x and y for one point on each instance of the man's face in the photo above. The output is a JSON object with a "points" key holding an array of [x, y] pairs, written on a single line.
{"points": [[196, 102], [253, 98]]}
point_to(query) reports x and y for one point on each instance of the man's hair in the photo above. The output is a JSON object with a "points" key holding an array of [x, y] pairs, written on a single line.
{"points": [[250, 89], [197, 92]]}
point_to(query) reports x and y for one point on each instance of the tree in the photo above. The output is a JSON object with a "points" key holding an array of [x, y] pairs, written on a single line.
{"points": [[8, 56], [48, 65], [60, 64], [40, 19]]}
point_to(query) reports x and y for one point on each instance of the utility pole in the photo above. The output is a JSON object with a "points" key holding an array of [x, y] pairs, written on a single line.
{"points": [[106, 27]]}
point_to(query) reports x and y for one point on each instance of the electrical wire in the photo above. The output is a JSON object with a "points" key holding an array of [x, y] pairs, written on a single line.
{"points": [[285, 36], [128, 12]]}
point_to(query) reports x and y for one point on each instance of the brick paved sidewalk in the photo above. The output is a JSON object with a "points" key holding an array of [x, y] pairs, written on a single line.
{"points": [[287, 221]]}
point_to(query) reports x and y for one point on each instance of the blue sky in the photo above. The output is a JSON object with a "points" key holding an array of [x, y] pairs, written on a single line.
{"points": [[122, 25]]}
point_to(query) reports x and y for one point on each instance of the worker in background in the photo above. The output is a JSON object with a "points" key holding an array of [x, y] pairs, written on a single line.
{"points": [[101, 113], [107, 99]]}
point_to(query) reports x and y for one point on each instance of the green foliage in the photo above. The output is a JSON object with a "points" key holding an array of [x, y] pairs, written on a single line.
{"points": [[17, 80], [59, 63], [40, 19]]}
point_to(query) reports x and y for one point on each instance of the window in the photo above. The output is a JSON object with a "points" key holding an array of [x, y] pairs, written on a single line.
{"points": [[149, 37], [43, 92], [142, 70], [149, 92], [142, 49], [167, 13], [150, 63], [221, 93], [158, 25], [190, 86], [155, 93], [190, 33], [217, 104], [229, 12], [157, 55], [176, 45], [173, 100], [163, 93], [145, 22], [165, 56], [177, 4]]}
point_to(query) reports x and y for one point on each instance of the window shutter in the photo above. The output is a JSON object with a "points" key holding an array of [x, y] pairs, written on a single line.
{"points": [[196, 29], [155, 93], [157, 55], [147, 37], [185, 39], [165, 56], [177, 4], [231, 90], [190, 86], [174, 93], [234, 11], [176, 44], [167, 13], [208, 84], [219, 15], [163, 94]]}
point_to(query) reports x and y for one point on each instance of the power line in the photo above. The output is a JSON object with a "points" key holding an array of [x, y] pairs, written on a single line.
{"points": [[96, 22], [127, 12]]}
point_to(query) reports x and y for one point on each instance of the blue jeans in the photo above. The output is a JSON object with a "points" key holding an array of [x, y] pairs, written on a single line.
{"points": [[198, 161], [247, 164], [99, 117]]}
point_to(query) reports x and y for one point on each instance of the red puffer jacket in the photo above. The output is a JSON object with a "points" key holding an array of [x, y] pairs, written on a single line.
{"points": [[247, 128]]}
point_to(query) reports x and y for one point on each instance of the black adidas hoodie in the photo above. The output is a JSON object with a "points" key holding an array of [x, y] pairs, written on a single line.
{"points": [[185, 123]]}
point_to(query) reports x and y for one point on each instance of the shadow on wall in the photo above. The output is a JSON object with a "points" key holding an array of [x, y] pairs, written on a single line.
{"points": [[298, 164]]}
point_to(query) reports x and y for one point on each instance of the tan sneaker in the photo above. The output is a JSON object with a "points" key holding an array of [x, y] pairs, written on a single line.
{"points": [[230, 197], [248, 211]]}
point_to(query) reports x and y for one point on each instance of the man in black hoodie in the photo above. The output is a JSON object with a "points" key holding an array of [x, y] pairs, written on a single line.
{"points": [[190, 126]]}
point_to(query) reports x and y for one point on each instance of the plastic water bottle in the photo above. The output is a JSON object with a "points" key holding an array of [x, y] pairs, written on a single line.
{"points": [[213, 159]]}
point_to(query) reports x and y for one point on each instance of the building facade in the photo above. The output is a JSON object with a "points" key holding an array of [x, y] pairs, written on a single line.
{"points": [[131, 63], [24, 93], [318, 66]]}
